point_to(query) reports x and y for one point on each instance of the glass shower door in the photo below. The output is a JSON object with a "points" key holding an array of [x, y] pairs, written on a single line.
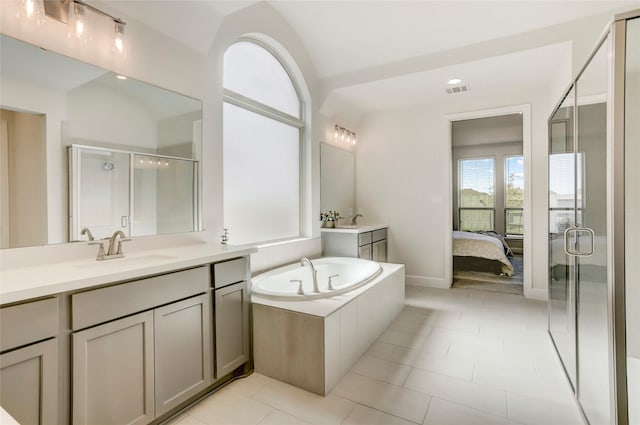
{"points": [[562, 216], [590, 244], [99, 193], [164, 195]]}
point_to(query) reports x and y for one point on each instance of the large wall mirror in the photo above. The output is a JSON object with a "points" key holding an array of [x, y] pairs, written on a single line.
{"points": [[82, 147], [337, 180]]}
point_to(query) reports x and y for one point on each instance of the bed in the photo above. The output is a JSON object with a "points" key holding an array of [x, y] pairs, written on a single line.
{"points": [[480, 252]]}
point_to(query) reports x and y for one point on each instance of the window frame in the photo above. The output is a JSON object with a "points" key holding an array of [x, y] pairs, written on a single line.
{"points": [[507, 208], [257, 107], [460, 180]]}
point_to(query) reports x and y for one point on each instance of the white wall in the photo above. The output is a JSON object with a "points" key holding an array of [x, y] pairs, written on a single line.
{"points": [[403, 170], [114, 120]]}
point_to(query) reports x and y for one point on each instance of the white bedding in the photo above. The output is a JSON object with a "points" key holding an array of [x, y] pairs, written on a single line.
{"points": [[467, 244]]}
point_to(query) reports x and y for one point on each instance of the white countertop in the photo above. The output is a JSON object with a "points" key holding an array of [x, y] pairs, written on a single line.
{"points": [[359, 229], [6, 418], [22, 283]]}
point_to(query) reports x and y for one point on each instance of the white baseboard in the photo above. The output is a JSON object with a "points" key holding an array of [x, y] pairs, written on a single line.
{"points": [[539, 294], [432, 282]]}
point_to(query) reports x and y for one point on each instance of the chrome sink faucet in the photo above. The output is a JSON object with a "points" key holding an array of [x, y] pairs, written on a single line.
{"points": [[314, 273], [354, 219]]}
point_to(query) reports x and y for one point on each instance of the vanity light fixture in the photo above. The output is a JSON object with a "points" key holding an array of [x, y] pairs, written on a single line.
{"points": [[73, 13], [342, 134]]}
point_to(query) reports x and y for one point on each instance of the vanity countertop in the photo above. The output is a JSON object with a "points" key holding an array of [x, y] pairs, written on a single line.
{"points": [[359, 229], [22, 283]]}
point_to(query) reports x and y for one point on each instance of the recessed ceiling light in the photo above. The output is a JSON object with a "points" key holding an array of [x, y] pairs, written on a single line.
{"points": [[121, 77], [454, 81]]}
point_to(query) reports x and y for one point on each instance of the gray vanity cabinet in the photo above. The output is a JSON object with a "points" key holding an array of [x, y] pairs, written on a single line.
{"points": [[113, 372], [369, 244], [182, 351], [231, 315], [29, 361], [28, 383], [135, 368], [379, 251]]}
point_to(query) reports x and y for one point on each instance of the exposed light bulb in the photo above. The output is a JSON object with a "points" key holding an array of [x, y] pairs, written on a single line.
{"points": [[342, 134], [348, 137], [118, 41], [353, 139], [32, 10], [335, 133], [80, 30]]}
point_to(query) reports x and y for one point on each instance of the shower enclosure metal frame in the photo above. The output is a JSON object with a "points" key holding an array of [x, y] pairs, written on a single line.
{"points": [[74, 178], [615, 218]]}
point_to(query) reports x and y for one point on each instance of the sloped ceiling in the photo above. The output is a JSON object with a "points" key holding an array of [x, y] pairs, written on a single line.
{"points": [[387, 54]]}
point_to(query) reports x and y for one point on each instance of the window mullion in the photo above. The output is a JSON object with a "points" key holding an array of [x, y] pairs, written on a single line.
{"points": [[260, 108]]}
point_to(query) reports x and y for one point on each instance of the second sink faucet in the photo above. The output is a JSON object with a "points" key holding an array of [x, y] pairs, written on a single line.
{"points": [[354, 219], [314, 273], [112, 242]]}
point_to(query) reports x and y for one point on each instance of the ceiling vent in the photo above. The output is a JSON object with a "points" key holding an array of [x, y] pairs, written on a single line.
{"points": [[460, 88]]}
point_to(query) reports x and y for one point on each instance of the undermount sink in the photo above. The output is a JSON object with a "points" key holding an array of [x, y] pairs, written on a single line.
{"points": [[347, 226], [151, 258]]}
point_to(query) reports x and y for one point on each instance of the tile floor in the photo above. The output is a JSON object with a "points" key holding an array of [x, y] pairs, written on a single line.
{"points": [[451, 357]]}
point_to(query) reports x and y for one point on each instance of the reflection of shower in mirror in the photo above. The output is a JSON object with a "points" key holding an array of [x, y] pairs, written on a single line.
{"points": [[108, 166]]}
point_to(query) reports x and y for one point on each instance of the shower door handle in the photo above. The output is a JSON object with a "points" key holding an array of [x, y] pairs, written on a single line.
{"points": [[124, 221], [579, 234]]}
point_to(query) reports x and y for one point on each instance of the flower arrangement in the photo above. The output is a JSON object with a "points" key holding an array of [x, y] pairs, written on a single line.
{"points": [[329, 218]]}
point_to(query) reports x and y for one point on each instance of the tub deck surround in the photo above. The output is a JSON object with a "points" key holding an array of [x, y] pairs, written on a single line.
{"points": [[23, 283], [312, 344]]}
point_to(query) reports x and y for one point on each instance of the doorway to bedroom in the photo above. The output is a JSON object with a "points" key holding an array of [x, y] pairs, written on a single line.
{"points": [[488, 185]]}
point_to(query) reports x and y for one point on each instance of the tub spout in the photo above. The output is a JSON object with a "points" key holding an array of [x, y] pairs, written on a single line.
{"points": [[314, 273]]}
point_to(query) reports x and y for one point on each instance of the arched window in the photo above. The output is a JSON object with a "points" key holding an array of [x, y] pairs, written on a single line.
{"points": [[263, 128]]}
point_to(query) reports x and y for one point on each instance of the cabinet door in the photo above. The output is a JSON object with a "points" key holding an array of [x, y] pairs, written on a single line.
{"points": [[232, 327], [365, 252], [379, 251], [29, 384], [113, 372], [182, 351]]}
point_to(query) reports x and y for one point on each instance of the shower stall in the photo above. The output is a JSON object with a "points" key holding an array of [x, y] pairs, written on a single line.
{"points": [[594, 228], [136, 193]]}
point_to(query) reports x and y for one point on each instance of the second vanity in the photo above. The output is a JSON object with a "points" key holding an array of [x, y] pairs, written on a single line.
{"points": [[361, 241], [129, 340]]}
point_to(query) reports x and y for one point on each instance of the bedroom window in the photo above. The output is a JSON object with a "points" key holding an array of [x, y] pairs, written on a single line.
{"points": [[513, 195], [476, 205], [263, 130]]}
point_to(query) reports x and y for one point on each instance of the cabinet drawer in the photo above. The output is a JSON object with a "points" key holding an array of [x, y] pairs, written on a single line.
{"points": [[105, 304], [29, 322], [379, 235], [364, 238], [228, 272]]}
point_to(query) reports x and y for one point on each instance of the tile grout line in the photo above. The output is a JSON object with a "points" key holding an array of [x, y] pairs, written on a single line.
{"points": [[372, 408]]}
